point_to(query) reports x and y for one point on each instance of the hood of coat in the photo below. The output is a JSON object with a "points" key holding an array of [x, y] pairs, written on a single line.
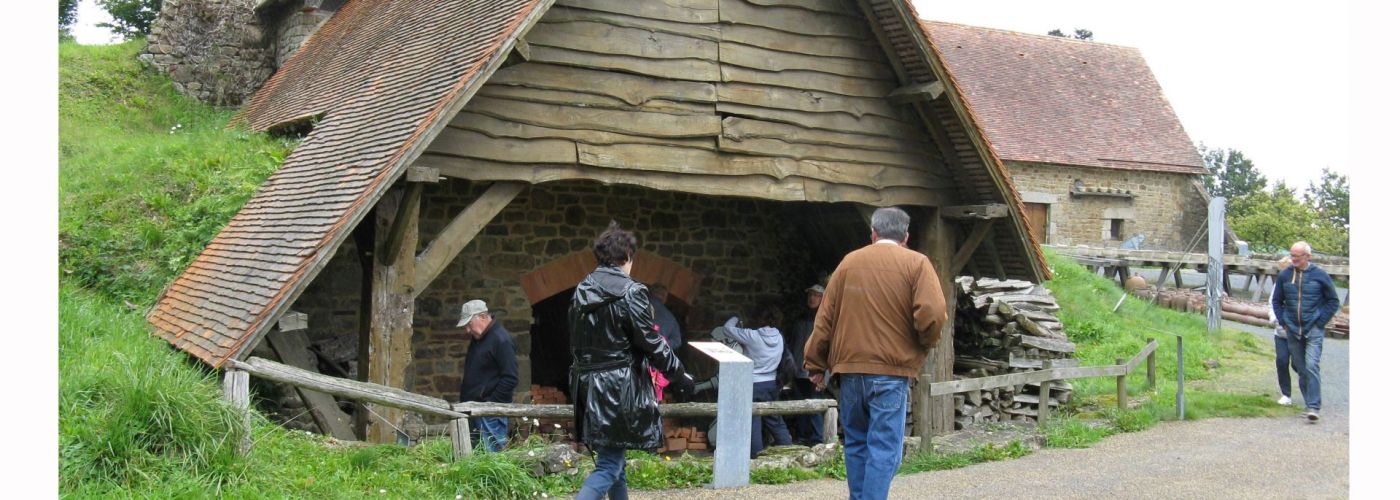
{"points": [[603, 286]]}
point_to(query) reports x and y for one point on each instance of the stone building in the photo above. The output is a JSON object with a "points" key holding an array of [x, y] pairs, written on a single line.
{"points": [[221, 51], [1095, 149], [472, 149]]}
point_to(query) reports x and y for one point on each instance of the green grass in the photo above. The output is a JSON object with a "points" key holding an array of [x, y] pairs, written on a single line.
{"points": [[146, 176], [924, 462]]}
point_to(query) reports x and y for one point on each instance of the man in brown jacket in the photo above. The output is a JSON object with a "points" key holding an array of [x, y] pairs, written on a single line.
{"points": [[883, 311]]}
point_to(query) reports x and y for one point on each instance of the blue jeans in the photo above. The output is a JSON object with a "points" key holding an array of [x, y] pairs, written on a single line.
{"points": [[489, 433], [763, 392], [806, 429], [609, 476], [872, 414], [1307, 358], [1281, 362]]}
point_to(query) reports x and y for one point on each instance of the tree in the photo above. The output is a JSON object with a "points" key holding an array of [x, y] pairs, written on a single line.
{"points": [[1272, 220], [1230, 174], [1332, 198], [130, 18], [1079, 34], [67, 15]]}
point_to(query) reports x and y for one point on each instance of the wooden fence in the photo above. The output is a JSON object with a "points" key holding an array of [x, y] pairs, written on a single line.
{"points": [[1120, 369], [236, 391]]}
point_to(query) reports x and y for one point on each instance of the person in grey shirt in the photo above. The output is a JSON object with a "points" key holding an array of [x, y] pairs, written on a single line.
{"points": [[764, 346]]}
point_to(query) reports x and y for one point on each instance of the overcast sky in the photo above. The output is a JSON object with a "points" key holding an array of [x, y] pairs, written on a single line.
{"points": [[1266, 78]]}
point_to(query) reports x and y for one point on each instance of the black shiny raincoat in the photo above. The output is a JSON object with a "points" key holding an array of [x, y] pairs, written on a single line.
{"points": [[614, 340]]}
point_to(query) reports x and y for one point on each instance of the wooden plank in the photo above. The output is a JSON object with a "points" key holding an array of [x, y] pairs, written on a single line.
{"points": [[1087, 372], [668, 410], [459, 142], [828, 6], [1019, 362], [561, 13], [970, 244], [350, 389], [685, 11], [602, 38], [497, 127], [1047, 344], [976, 384], [583, 100], [391, 310], [695, 161], [459, 431], [810, 101], [977, 212], [416, 174], [839, 122], [774, 60], [791, 20], [829, 423], [805, 80], [1141, 355], [632, 89], [918, 92], [458, 233], [740, 128], [293, 348], [236, 393], [759, 36], [678, 69], [752, 186], [607, 120], [774, 147]]}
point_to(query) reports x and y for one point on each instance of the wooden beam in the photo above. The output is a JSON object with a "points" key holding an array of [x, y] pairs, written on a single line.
{"points": [[938, 244], [520, 50], [919, 92], [292, 348], [388, 250], [974, 240], [977, 212], [236, 393], [391, 308], [350, 389], [465, 226], [426, 175]]}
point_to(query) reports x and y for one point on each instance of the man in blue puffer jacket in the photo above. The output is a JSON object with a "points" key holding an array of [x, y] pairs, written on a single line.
{"points": [[1304, 301]]}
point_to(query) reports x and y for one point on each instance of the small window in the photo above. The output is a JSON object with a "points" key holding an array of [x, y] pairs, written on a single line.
{"points": [[1115, 229]]}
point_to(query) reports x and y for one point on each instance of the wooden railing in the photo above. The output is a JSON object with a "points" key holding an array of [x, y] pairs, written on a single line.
{"points": [[1043, 377]]}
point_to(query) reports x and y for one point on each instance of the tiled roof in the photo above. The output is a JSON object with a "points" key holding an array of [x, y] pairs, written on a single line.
{"points": [[379, 75], [1056, 100]]}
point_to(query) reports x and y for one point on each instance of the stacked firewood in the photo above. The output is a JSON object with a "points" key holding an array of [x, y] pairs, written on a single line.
{"points": [[1006, 326], [1233, 309]]}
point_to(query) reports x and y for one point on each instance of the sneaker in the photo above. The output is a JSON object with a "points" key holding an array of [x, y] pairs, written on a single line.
{"points": [[1312, 415], [1285, 400]]}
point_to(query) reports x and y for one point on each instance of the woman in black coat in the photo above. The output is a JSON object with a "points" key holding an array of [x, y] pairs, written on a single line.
{"points": [[614, 340]]}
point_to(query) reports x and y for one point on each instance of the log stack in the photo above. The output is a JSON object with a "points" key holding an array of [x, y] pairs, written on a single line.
{"points": [[1006, 326], [1233, 309]]}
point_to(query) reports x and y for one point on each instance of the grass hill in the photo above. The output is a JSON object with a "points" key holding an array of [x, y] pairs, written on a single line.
{"points": [[148, 177]]}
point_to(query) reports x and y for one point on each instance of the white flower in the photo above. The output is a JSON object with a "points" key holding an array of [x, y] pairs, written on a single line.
{"points": [[536, 423], [531, 453], [459, 497], [525, 419], [383, 491], [557, 426]]}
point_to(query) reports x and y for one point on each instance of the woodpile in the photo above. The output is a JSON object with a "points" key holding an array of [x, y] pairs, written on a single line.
{"points": [[1006, 326], [1233, 309]]}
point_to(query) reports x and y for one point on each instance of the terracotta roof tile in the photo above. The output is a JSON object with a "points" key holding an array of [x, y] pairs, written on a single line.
{"points": [[1049, 99]]}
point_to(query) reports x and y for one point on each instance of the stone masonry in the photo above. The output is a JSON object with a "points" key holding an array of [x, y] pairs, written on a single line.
{"points": [[1165, 207], [742, 247], [221, 51]]}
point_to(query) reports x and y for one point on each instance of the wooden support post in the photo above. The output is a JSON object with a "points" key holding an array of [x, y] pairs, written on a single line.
{"points": [[292, 348], [974, 240], [1152, 366], [1177, 275], [236, 393], [1123, 272], [1042, 414], [390, 349], [1259, 292], [924, 431], [458, 233], [938, 244], [1225, 281], [1122, 387], [829, 423], [460, 431], [1162, 278]]}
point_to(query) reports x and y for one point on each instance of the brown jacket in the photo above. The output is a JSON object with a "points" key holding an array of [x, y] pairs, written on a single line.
{"points": [[882, 312]]}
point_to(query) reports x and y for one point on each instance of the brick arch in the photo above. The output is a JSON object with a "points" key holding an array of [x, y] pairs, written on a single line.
{"points": [[565, 273]]}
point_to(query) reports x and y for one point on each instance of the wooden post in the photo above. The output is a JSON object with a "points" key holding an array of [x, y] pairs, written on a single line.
{"points": [[236, 393], [921, 411], [460, 432], [1122, 387], [1177, 276], [938, 243], [391, 314], [829, 423], [1042, 415], [1152, 366]]}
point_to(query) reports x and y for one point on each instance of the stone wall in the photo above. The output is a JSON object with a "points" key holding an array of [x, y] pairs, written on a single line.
{"points": [[221, 51], [1165, 207], [744, 249]]}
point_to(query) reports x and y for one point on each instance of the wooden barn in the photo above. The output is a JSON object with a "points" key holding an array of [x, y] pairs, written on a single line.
{"points": [[472, 149], [1096, 151]]}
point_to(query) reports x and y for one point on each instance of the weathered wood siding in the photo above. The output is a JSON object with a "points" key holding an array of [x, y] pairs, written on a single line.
{"points": [[775, 99]]}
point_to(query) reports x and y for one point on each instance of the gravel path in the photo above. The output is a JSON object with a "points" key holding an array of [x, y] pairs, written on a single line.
{"points": [[1213, 458]]}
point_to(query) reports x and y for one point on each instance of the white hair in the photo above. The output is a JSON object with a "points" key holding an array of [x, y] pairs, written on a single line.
{"points": [[1304, 246]]}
